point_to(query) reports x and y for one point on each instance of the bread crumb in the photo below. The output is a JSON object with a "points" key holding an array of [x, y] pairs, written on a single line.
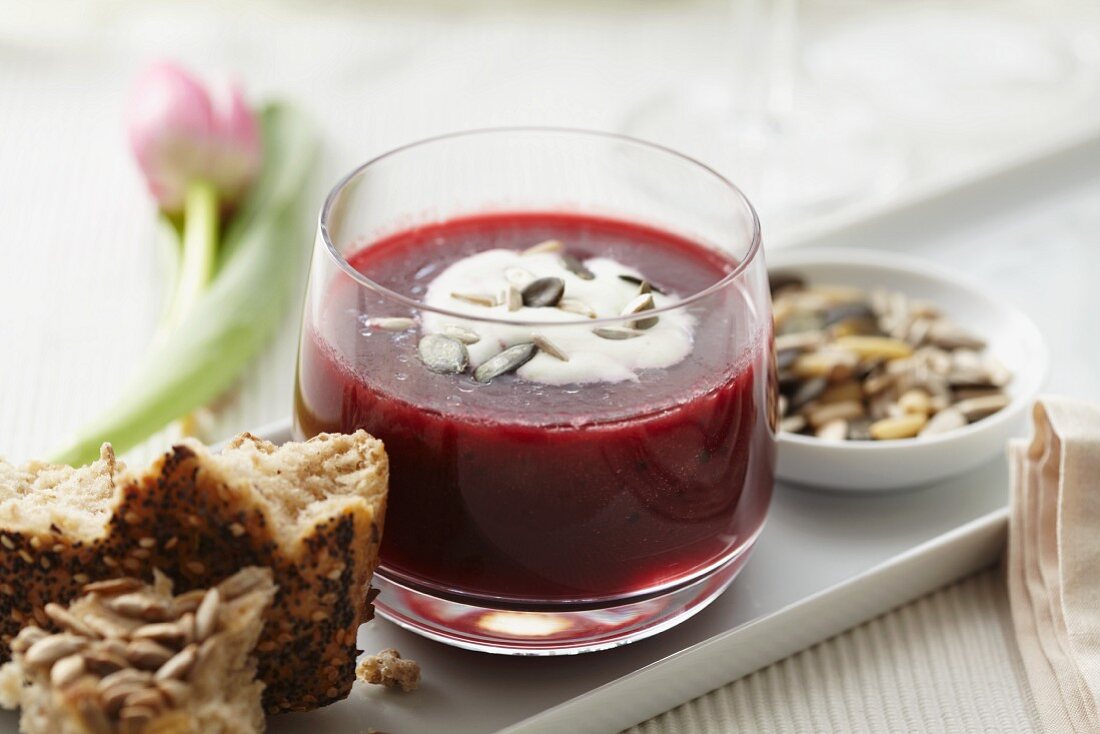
{"points": [[389, 670]]}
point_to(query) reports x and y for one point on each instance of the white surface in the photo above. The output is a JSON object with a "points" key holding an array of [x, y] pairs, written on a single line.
{"points": [[870, 466], [79, 280]]}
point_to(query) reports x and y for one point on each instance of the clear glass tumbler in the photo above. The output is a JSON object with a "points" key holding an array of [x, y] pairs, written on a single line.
{"points": [[564, 340]]}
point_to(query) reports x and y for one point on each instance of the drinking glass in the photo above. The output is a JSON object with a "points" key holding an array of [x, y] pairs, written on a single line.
{"points": [[526, 514]]}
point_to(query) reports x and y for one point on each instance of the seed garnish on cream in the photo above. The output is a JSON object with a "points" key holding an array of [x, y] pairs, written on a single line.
{"points": [[555, 288]]}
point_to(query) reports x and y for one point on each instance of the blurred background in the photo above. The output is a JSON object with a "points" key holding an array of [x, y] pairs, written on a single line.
{"points": [[820, 109]]}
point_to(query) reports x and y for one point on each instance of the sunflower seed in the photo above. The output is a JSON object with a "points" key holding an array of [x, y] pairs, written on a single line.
{"points": [[103, 662], [793, 424], [241, 583], [27, 637], [136, 717], [169, 633], [616, 333], [147, 655], [549, 347], [189, 601], [577, 268], [90, 716], [175, 692], [206, 616], [105, 627], [443, 354], [66, 670], [543, 292], [180, 664], [394, 323], [460, 333], [545, 246], [475, 298], [946, 420], [977, 408], [124, 677], [644, 286], [833, 430], [574, 305], [112, 586], [150, 697], [510, 360], [50, 649], [67, 620], [139, 606], [518, 277], [512, 298], [114, 695], [640, 303]]}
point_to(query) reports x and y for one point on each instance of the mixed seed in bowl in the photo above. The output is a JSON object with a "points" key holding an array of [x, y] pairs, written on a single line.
{"points": [[858, 365]]}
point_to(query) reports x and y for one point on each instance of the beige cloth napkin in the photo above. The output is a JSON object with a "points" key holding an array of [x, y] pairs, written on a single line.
{"points": [[1054, 562]]}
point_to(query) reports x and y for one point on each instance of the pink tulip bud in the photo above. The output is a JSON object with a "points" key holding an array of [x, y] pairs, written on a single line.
{"points": [[181, 132]]}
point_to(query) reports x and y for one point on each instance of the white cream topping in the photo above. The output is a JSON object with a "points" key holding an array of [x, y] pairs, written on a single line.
{"points": [[591, 358]]}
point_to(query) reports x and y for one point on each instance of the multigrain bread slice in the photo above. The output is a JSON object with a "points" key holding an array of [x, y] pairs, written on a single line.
{"points": [[181, 664], [312, 512]]}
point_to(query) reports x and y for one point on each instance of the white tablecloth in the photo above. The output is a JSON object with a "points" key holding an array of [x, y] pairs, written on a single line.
{"points": [[80, 286]]}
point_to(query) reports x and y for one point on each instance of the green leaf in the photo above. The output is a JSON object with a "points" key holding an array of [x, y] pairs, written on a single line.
{"points": [[234, 318]]}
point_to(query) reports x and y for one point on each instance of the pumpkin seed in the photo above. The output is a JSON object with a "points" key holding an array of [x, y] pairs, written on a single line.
{"points": [[442, 354], [640, 303], [543, 292], [644, 286], [779, 281], [510, 360], [577, 268], [549, 347]]}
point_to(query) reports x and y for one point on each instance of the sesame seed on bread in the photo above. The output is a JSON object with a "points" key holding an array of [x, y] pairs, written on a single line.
{"points": [[312, 512]]}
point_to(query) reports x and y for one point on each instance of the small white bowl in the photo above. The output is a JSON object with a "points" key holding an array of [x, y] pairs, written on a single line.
{"points": [[869, 466]]}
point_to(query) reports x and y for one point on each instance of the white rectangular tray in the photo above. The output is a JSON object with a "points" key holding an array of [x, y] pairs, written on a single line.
{"points": [[825, 562]]}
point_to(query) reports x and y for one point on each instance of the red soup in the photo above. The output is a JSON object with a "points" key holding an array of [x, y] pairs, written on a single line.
{"points": [[522, 491]]}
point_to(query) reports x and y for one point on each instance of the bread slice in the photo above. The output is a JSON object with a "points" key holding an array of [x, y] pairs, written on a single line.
{"points": [[180, 664], [312, 512]]}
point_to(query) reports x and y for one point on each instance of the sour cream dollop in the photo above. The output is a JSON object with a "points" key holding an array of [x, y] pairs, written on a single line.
{"points": [[592, 358]]}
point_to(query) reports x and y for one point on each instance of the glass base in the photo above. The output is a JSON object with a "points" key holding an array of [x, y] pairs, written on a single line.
{"points": [[557, 629]]}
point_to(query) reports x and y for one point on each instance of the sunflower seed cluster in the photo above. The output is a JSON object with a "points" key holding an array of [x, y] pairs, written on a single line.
{"points": [[126, 652], [857, 365], [446, 353]]}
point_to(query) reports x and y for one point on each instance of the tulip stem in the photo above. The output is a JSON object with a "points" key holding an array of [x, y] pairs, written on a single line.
{"points": [[200, 251]]}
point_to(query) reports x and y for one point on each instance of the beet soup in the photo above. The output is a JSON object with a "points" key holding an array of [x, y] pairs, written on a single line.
{"points": [[583, 479]]}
